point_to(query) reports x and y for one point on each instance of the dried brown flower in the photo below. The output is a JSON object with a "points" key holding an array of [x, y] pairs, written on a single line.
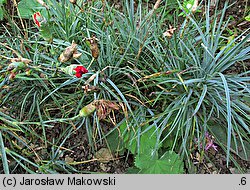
{"points": [[69, 53], [94, 46]]}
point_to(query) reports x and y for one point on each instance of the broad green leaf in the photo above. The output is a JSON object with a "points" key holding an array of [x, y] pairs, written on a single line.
{"points": [[169, 163], [28, 7], [147, 140]]}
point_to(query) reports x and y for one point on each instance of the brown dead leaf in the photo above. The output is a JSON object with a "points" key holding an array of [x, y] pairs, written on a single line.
{"points": [[76, 55], [88, 88], [169, 33], [104, 155], [20, 59], [90, 79]]}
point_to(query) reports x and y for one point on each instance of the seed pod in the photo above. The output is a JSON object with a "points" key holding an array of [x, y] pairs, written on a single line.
{"points": [[87, 110], [68, 53], [94, 47]]}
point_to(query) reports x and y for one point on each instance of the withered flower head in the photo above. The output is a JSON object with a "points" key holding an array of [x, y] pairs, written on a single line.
{"points": [[69, 53], [93, 46], [104, 107]]}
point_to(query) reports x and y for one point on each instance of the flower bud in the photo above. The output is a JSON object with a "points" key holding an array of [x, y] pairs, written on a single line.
{"points": [[87, 110]]}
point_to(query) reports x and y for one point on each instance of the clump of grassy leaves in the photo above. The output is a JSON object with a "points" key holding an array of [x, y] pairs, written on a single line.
{"points": [[190, 79]]}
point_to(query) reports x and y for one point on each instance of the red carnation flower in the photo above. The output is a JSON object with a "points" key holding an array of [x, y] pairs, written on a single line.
{"points": [[80, 70]]}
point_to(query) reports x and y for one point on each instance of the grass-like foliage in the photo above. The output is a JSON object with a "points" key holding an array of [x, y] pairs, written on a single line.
{"points": [[192, 80], [157, 96]]}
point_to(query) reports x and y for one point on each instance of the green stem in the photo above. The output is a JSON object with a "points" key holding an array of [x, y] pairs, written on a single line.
{"points": [[93, 59], [62, 120]]}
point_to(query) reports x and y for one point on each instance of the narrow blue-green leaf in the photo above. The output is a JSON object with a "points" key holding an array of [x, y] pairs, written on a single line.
{"points": [[120, 93], [229, 117], [68, 82], [203, 94], [14, 154], [4, 157]]}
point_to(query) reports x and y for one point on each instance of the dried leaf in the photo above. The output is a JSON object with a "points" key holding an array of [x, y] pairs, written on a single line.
{"points": [[69, 159], [104, 155], [157, 4], [20, 59], [90, 79], [12, 75], [88, 88], [76, 55], [169, 33], [72, 1]]}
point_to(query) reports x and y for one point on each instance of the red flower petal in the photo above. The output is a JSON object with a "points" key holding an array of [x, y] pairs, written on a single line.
{"points": [[36, 20], [77, 69], [78, 75], [80, 70], [84, 70]]}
